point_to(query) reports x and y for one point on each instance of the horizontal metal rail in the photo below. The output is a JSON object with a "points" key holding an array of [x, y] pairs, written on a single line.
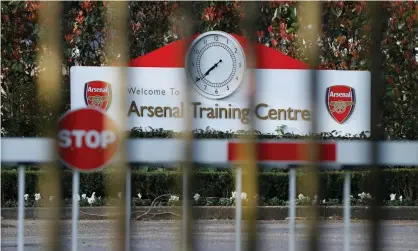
{"points": [[213, 151], [338, 154]]}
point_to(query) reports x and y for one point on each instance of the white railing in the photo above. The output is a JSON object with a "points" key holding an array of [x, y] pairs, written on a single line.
{"points": [[338, 155]]}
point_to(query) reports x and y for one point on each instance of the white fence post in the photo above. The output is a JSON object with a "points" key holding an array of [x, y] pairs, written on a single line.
{"points": [[347, 208], [21, 212], [292, 208], [75, 210]]}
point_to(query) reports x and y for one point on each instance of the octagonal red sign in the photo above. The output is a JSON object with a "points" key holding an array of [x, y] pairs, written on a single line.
{"points": [[87, 139]]}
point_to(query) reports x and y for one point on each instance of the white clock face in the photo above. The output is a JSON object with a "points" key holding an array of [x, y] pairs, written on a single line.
{"points": [[215, 64]]}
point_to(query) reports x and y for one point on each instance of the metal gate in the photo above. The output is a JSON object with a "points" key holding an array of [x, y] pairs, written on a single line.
{"points": [[241, 154]]}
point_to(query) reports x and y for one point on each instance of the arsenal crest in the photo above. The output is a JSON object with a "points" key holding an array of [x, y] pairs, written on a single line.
{"points": [[340, 101], [98, 94]]}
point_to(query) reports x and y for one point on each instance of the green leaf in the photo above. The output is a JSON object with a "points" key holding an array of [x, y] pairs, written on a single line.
{"points": [[337, 11], [17, 67], [276, 13], [294, 12], [389, 93]]}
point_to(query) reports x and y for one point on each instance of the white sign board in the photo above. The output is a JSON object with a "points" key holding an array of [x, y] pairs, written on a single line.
{"points": [[155, 97]]}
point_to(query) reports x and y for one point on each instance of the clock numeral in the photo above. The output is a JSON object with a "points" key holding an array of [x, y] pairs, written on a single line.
{"points": [[236, 50], [239, 65], [216, 38], [227, 41], [216, 91], [227, 88], [236, 77], [205, 87], [193, 64], [197, 51], [205, 41]]}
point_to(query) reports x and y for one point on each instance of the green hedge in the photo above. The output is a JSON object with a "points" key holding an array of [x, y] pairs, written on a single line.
{"points": [[209, 133], [219, 184]]}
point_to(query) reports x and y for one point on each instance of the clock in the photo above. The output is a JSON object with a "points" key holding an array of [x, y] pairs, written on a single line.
{"points": [[215, 64]]}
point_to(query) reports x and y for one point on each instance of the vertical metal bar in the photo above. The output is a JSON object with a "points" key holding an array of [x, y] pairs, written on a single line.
{"points": [[21, 212], [309, 31], [292, 209], [128, 196], [117, 53], [187, 242], [75, 209], [376, 133], [347, 209], [49, 87], [249, 151], [238, 208]]}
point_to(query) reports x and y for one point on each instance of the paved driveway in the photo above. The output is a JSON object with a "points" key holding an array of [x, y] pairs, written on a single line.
{"points": [[211, 235]]}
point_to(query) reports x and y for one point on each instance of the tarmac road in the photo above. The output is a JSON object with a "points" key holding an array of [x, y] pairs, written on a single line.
{"points": [[217, 235]]}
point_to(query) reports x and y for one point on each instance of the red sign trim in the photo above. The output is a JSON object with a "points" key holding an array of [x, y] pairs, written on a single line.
{"points": [[173, 56], [283, 151]]}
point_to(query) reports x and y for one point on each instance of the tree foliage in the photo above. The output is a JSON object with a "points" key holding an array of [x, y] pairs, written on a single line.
{"points": [[344, 45]]}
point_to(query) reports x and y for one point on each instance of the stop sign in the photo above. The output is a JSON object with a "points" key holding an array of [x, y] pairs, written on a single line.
{"points": [[87, 139]]}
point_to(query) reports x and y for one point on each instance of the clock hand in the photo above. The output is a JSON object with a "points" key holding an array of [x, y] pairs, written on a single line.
{"points": [[208, 71], [213, 67]]}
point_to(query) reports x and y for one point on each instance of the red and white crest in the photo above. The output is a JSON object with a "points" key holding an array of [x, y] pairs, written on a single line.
{"points": [[98, 94], [340, 101]]}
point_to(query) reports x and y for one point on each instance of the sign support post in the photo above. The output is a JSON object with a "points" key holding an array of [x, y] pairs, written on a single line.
{"points": [[347, 213], [292, 208], [75, 205], [21, 212]]}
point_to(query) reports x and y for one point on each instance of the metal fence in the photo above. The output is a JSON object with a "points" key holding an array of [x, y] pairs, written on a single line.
{"points": [[191, 152]]}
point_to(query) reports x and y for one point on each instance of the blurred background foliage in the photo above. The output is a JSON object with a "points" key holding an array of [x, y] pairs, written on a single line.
{"points": [[344, 42]]}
